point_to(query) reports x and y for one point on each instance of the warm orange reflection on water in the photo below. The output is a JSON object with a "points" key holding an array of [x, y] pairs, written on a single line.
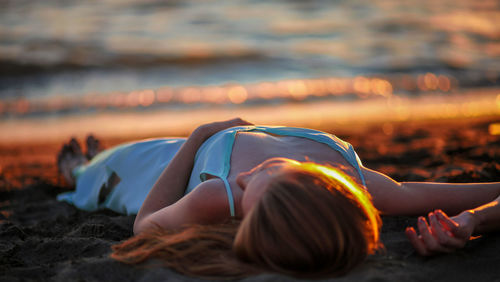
{"points": [[444, 83], [348, 114], [363, 87], [431, 81], [214, 95], [237, 94], [22, 106], [164, 95], [189, 95]]}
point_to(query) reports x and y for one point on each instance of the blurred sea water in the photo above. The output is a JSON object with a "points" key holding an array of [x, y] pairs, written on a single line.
{"points": [[66, 56]]}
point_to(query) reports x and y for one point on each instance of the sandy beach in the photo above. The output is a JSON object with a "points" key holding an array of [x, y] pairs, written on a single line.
{"points": [[42, 239]]}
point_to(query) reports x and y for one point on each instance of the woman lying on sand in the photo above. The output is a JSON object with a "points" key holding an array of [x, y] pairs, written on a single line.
{"points": [[236, 199]]}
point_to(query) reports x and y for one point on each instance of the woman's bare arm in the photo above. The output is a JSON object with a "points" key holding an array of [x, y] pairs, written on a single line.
{"points": [[172, 183], [487, 217], [417, 198]]}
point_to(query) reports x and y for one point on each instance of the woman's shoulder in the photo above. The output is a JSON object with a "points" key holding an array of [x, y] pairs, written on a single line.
{"points": [[206, 204], [208, 200]]}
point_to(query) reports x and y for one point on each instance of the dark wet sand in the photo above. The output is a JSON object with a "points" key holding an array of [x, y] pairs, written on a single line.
{"points": [[42, 239]]}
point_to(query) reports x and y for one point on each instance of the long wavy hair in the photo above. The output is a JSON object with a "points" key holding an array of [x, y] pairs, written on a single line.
{"points": [[312, 222]]}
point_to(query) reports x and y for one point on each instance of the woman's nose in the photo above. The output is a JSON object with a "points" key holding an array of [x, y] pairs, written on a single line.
{"points": [[242, 180]]}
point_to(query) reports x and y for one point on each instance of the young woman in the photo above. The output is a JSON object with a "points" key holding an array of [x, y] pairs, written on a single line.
{"points": [[236, 199]]}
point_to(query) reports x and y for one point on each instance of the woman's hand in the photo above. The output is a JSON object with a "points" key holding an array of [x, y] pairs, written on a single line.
{"points": [[209, 129], [442, 234]]}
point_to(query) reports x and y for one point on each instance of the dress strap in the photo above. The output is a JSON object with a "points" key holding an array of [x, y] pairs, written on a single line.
{"points": [[229, 196]]}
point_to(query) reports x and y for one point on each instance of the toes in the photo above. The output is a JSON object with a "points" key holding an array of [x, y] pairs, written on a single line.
{"points": [[93, 146], [91, 139], [92, 142], [65, 149], [63, 162], [75, 147], [62, 155]]}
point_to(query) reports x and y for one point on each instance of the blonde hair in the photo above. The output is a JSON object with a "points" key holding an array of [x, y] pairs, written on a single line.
{"points": [[312, 222]]}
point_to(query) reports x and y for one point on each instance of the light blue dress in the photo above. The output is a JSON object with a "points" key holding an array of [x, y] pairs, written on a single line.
{"points": [[139, 164]]}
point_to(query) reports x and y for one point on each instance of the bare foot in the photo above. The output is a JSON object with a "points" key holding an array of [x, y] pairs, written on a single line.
{"points": [[68, 158], [93, 146]]}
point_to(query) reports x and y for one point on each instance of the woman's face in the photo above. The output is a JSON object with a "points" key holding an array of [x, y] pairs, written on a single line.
{"points": [[255, 181]]}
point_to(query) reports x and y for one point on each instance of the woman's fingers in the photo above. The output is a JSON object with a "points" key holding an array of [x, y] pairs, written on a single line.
{"points": [[417, 243], [230, 123], [462, 225], [444, 237], [425, 231], [240, 121], [449, 224], [436, 236], [209, 129], [431, 242]]}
